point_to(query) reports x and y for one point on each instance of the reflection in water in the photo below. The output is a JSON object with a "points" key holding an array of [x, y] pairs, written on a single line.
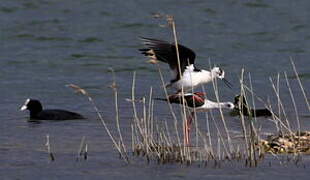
{"points": [[33, 123], [301, 76], [256, 4]]}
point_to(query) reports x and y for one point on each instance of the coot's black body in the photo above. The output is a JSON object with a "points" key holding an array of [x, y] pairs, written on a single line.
{"points": [[241, 106], [37, 112]]}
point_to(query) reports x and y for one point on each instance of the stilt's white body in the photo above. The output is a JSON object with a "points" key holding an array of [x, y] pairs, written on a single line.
{"points": [[191, 79], [198, 101]]}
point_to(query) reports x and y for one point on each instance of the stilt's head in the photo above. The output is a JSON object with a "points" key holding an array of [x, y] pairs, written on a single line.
{"points": [[220, 73]]}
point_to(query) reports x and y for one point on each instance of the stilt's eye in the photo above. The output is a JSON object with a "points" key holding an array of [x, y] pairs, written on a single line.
{"points": [[220, 72], [230, 106]]}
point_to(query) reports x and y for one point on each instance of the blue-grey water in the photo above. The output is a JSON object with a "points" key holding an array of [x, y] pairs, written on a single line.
{"points": [[46, 44]]}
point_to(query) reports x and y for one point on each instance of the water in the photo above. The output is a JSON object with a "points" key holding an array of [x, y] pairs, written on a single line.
{"points": [[48, 44]]}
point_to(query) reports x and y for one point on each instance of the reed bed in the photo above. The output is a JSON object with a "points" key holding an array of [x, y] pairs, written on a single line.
{"points": [[158, 142], [155, 141]]}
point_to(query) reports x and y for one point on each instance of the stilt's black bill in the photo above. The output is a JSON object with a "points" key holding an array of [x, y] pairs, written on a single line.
{"points": [[228, 84]]}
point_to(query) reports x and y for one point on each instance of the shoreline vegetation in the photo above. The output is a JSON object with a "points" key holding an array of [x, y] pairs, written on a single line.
{"points": [[161, 143]]}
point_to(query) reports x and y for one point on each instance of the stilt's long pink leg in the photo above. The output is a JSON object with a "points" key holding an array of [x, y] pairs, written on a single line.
{"points": [[186, 133], [187, 128]]}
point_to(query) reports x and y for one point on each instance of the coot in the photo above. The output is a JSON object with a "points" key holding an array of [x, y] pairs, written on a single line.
{"points": [[37, 112]]}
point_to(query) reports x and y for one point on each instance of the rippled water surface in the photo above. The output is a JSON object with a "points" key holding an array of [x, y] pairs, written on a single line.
{"points": [[48, 44]]}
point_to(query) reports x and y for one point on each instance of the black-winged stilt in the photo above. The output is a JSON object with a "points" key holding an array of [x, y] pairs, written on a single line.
{"points": [[188, 76], [196, 102]]}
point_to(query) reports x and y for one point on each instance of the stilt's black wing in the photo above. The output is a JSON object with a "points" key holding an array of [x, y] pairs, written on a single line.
{"points": [[194, 101], [166, 52], [191, 100]]}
